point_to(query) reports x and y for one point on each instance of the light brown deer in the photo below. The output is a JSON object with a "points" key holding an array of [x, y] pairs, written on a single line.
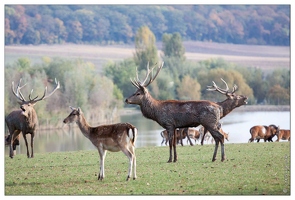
{"points": [[172, 114], [283, 134], [263, 132], [191, 134], [24, 120], [113, 137], [180, 134], [206, 136]]}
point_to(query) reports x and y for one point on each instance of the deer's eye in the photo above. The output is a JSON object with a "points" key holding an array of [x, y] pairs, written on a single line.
{"points": [[138, 94]]}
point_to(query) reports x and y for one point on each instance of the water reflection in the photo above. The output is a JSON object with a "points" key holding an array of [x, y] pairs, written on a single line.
{"points": [[237, 124]]}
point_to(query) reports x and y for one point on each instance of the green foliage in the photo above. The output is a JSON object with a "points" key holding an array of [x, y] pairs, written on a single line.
{"points": [[242, 24], [145, 48], [244, 172], [189, 89], [81, 86], [172, 45]]}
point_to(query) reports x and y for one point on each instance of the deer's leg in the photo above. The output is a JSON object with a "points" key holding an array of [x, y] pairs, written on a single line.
{"points": [[170, 138], [130, 158], [102, 155], [32, 145], [174, 146], [218, 137], [26, 141], [13, 136], [189, 139], [134, 162], [204, 133]]}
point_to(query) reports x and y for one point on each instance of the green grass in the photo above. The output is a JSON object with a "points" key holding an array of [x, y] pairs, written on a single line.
{"points": [[250, 169]]}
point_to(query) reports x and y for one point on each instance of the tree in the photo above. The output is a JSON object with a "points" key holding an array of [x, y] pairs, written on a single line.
{"points": [[278, 95], [189, 89], [145, 48], [172, 45]]}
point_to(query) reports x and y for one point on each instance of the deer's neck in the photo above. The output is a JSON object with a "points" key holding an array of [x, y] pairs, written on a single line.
{"points": [[226, 107], [84, 126], [31, 118], [150, 107]]}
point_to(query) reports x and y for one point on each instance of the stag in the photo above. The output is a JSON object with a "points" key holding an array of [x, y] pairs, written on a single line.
{"points": [[24, 120], [113, 137], [172, 114]]}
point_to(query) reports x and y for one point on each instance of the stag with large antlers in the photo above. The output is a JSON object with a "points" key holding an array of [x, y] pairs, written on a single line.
{"points": [[24, 120], [172, 114]]}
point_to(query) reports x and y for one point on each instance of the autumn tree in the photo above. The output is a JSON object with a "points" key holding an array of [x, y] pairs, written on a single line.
{"points": [[278, 95], [145, 48], [189, 89]]}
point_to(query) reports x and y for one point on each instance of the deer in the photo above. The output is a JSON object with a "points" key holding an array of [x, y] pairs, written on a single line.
{"points": [[172, 114], [111, 137], [14, 144], [25, 119], [207, 135], [282, 134], [192, 134], [179, 134], [262, 132]]}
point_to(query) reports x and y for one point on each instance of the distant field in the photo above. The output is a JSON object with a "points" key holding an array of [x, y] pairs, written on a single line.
{"points": [[265, 57]]}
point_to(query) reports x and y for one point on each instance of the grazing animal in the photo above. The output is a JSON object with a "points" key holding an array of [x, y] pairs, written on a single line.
{"points": [[208, 135], [24, 120], [283, 134], [262, 132], [179, 134], [113, 137], [172, 114], [192, 134]]}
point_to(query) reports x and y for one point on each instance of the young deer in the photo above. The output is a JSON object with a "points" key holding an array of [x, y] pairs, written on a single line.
{"points": [[113, 137], [24, 120], [172, 114]]}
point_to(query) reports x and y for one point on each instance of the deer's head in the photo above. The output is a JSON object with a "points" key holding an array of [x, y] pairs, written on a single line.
{"points": [[27, 106], [142, 91], [233, 100], [74, 116]]}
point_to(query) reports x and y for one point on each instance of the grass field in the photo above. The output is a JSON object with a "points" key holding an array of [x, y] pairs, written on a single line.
{"points": [[250, 169], [265, 57]]}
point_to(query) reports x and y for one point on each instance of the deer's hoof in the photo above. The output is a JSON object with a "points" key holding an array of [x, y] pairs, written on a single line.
{"points": [[213, 159]]}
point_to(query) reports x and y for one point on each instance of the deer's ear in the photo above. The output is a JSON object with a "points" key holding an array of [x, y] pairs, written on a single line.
{"points": [[79, 110]]}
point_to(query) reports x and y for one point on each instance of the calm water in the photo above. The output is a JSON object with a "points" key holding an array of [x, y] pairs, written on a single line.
{"points": [[237, 124]]}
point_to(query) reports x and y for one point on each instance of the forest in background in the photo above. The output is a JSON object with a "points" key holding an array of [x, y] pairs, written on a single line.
{"points": [[108, 24], [101, 95]]}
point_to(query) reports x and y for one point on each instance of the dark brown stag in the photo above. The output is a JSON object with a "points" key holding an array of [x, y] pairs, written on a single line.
{"points": [[172, 114], [24, 120]]}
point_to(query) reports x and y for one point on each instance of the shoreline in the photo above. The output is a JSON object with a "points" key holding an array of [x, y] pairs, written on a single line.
{"points": [[246, 108]]}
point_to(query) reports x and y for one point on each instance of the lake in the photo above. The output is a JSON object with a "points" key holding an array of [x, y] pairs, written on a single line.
{"points": [[237, 124]]}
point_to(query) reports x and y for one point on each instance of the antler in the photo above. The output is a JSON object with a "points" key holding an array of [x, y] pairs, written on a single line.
{"points": [[149, 74], [44, 95], [222, 91], [18, 93]]}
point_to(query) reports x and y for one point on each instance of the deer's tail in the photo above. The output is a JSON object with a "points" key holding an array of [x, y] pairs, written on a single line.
{"points": [[132, 133]]}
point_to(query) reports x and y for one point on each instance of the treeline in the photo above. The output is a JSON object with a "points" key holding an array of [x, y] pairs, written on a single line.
{"points": [[101, 95], [105, 24]]}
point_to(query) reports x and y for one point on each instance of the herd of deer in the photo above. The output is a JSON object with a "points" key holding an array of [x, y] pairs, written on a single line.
{"points": [[174, 116]]}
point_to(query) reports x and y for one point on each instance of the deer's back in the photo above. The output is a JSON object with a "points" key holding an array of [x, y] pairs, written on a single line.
{"points": [[187, 113]]}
